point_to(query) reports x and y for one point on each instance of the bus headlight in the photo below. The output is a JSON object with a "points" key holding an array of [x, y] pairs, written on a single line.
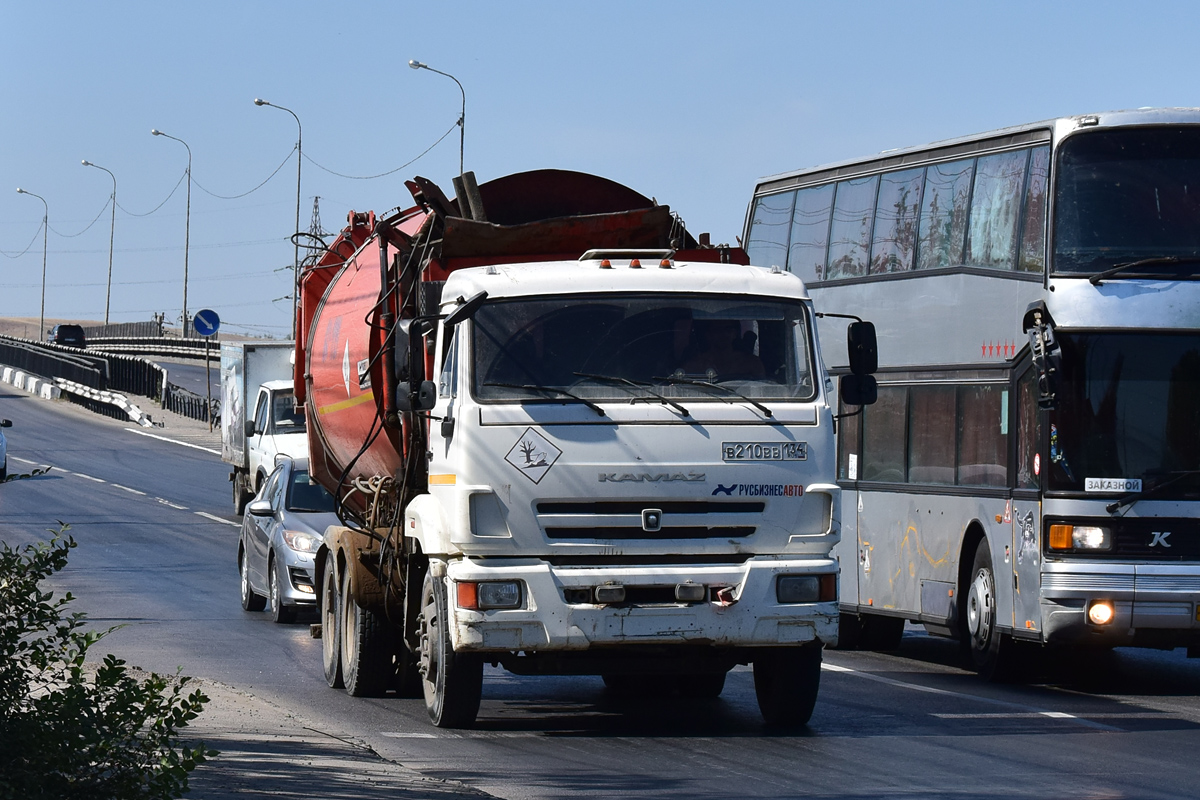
{"points": [[1101, 612], [1080, 537]]}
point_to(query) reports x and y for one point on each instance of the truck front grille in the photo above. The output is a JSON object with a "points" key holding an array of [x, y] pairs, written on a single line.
{"points": [[622, 519]]}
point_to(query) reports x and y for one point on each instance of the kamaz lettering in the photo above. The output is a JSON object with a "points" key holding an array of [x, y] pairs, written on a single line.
{"points": [[649, 477]]}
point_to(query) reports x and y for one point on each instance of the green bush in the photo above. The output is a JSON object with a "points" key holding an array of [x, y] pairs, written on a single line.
{"points": [[71, 731]]}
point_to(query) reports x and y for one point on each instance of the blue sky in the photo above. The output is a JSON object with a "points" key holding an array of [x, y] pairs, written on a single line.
{"points": [[689, 102]]}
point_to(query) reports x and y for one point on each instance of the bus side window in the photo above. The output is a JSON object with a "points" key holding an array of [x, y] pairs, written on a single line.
{"points": [[767, 244], [810, 233], [1033, 230], [1029, 432], [884, 431], [849, 440]]}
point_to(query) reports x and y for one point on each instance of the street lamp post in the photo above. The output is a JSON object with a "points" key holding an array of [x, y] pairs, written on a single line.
{"points": [[462, 119], [187, 225], [295, 239], [111, 231], [45, 234]]}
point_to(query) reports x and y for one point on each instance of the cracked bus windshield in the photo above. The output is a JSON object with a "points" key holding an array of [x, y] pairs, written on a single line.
{"points": [[648, 346], [1129, 407]]}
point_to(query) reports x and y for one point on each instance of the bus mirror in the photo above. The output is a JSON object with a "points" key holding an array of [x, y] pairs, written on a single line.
{"points": [[858, 390], [862, 349]]}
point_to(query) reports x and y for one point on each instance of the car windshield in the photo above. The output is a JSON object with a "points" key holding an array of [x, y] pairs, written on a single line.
{"points": [[1128, 408], [1129, 195], [284, 415], [306, 495], [644, 347]]}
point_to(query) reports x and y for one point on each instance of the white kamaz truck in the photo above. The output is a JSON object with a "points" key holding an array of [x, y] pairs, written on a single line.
{"points": [[619, 463]]}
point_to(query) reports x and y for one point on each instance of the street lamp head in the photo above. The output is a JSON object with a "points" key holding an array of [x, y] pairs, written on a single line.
{"points": [[21, 191], [412, 62], [87, 163], [156, 132], [258, 101]]}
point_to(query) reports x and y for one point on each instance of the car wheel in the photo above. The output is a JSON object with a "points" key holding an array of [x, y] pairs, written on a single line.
{"points": [[705, 686], [279, 611], [786, 680], [452, 682], [331, 634], [4, 471], [251, 600]]}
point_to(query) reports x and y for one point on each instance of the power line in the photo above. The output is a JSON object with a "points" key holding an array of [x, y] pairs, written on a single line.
{"points": [[255, 189], [389, 172]]}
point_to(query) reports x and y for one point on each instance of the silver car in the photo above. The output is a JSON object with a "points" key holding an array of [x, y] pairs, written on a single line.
{"points": [[281, 532]]}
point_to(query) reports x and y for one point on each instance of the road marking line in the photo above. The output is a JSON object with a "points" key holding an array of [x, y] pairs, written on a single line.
{"points": [[23, 460], [60, 469], [174, 441], [405, 735], [987, 700], [126, 488], [217, 519], [169, 503], [88, 477]]}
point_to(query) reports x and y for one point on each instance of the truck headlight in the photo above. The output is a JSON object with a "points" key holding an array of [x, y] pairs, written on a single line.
{"points": [[301, 542], [806, 588], [1080, 537], [491, 594]]}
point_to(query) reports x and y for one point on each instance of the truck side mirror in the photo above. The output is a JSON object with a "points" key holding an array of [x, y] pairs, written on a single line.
{"points": [[425, 399], [250, 429], [858, 390], [862, 349]]}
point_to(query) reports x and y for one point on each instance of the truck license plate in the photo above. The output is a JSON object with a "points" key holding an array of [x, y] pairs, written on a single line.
{"points": [[764, 451]]}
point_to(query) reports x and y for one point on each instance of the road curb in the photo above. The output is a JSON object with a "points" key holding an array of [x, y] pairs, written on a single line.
{"points": [[54, 389]]}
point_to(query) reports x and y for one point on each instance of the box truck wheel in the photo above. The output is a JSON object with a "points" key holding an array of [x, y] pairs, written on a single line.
{"points": [[241, 495], [452, 682], [367, 646], [786, 680], [331, 634]]}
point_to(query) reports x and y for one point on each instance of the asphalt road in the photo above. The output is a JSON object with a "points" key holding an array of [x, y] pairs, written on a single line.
{"points": [[156, 553]]}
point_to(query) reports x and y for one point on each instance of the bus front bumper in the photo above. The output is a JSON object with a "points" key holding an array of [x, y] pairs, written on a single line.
{"points": [[1154, 605]]}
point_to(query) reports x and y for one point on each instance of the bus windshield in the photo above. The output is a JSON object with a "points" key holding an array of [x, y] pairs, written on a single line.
{"points": [[615, 347], [1128, 408], [1129, 195]]}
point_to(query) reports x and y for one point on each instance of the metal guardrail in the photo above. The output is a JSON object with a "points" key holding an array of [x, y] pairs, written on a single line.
{"points": [[62, 362], [156, 346]]}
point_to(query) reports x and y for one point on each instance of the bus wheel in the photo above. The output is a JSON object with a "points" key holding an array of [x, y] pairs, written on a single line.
{"points": [[786, 680], [452, 682], [331, 612], [991, 651]]}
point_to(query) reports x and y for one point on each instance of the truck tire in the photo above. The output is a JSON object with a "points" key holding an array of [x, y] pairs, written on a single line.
{"points": [[280, 613], [240, 494], [367, 647], [330, 602], [407, 678], [251, 600], [786, 680], [452, 682]]}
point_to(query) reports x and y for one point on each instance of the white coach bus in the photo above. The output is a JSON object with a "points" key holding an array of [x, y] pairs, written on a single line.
{"points": [[1031, 470]]}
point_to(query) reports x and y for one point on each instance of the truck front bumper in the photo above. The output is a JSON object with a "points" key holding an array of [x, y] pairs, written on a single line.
{"points": [[545, 621]]}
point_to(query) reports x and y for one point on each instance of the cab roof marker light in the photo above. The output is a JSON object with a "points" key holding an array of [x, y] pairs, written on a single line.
{"points": [[605, 264], [665, 264], [635, 263]]}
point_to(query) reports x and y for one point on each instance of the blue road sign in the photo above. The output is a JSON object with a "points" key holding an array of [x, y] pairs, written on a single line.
{"points": [[206, 322]]}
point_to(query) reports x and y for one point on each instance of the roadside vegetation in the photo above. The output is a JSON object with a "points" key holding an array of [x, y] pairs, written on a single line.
{"points": [[69, 729]]}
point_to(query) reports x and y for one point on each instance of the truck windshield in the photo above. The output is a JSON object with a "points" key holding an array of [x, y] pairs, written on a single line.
{"points": [[284, 416], [1128, 407], [1126, 196], [614, 348]]}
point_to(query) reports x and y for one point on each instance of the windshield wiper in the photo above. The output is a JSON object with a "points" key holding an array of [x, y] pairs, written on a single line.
{"points": [[1132, 498], [1144, 262], [710, 385], [533, 387], [637, 385]]}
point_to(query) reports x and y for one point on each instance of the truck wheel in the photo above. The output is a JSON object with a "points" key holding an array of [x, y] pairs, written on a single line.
{"points": [[702, 687], [408, 673], [452, 682], [786, 680], [991, 651], [331, 634], [240, 494], [279, 612], [366, 647], [251, 600], [625, 683]]}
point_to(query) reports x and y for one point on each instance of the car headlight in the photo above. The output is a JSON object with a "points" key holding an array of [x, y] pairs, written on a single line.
{"points": [[300, 541], [1080, 537]]}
